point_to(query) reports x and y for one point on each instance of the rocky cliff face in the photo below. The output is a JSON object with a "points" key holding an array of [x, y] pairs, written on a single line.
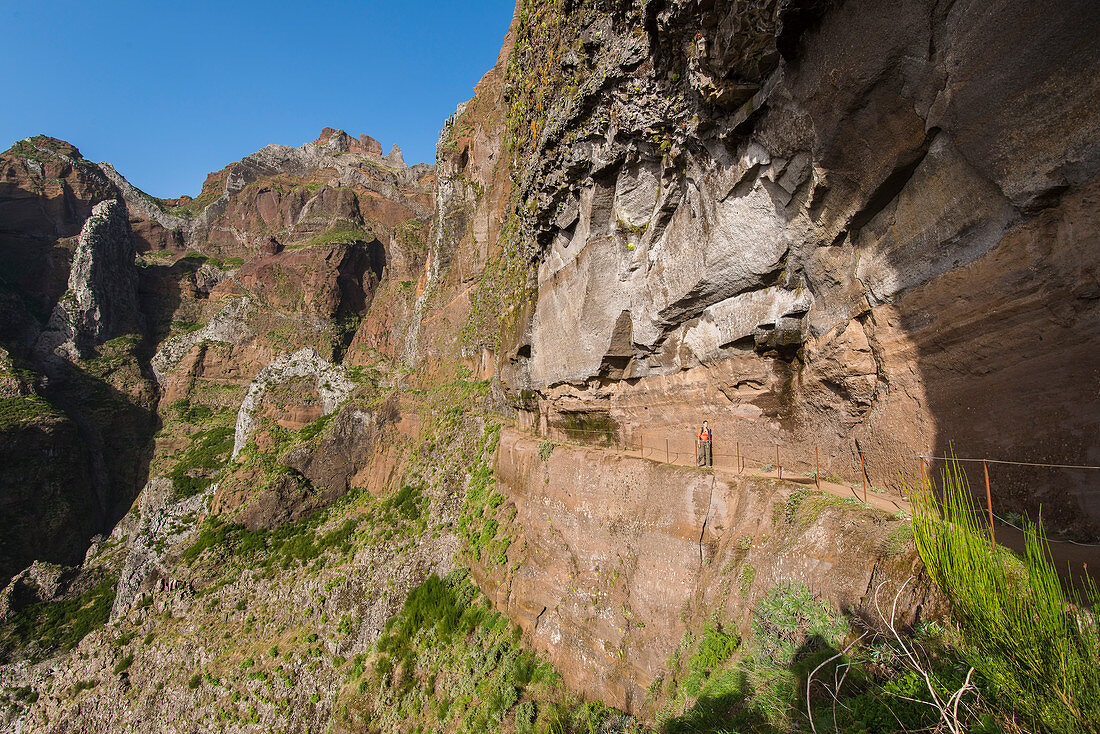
{"points": [[813, 224], [101, 301], [618, 558]]}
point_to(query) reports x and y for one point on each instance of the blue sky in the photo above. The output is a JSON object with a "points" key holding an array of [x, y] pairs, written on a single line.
{"points": [[168, 92]]}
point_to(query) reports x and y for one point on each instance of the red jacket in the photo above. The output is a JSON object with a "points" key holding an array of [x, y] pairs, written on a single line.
{"points": [[704, 434]]}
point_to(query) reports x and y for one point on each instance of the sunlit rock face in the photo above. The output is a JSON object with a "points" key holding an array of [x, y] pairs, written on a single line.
{"points": [[101, 301], [853, 221]]}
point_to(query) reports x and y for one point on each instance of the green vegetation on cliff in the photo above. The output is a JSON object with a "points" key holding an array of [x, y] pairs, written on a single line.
{"points": [[202, 460], [447, 662], [1033, 643], [501, 296], [46, 627], [262, 548], [803, 659], [25, 409]]}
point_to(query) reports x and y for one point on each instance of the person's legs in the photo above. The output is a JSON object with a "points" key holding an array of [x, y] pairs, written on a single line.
{"points": [[706, 452]]}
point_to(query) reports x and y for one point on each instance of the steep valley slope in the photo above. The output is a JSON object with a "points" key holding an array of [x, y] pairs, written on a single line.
{"points": [[343, 444]]}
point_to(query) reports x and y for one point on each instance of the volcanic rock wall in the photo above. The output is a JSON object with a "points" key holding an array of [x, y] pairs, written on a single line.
{"points": [[814, 223], [617, 557], [820, 224]]}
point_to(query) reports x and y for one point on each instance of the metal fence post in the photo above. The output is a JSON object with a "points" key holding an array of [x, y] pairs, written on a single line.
{"points": [[863, 468], [817, 467], [989, 501]]}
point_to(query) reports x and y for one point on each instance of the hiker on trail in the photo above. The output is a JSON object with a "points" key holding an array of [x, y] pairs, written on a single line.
{"points": [[704, 445]]}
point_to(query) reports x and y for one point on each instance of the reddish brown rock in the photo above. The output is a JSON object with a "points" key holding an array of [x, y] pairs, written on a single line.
{"points": [[614, 556], [47, 191], [344, 143], [751, 264], [323, 281]]}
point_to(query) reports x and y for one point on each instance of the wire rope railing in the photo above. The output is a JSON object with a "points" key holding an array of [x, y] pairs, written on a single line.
{"points": [[669, 445]]}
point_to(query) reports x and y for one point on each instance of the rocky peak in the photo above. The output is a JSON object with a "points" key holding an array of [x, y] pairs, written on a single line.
{"points": [[395, 158], [340, 142], [44, 146], [335, 183]]}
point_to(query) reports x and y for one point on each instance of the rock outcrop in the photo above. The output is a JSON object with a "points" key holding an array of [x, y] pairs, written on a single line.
{"points": [[229, 325], [157, 522], [73, 323], [330, 383], [617, 555], [101, 301]]}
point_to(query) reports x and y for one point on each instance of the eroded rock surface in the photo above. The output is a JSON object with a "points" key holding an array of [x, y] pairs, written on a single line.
{"points": [[618, 554], [754, 187], [331, 384], [101, 302]]}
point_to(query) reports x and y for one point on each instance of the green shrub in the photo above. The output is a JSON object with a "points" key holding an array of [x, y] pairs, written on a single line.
{"points": [[61, 624], [207, 453], [85, 685], [408, 502], [194, 682], [788, 618], [1035, 644], [714, 649], [341, 232], [296, 541], [312, 429], [25, 694], [183, 409], [500, 701], [432, 604], [526, 713]]}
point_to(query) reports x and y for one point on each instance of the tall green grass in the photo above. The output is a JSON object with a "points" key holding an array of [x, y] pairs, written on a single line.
{"points": [[1035, 643]]}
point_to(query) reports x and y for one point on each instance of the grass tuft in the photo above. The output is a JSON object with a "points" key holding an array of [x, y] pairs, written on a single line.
{"points": [[1034, 642]]}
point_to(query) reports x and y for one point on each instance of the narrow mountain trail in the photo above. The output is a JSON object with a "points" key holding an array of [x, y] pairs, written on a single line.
{"points": [[1071, 558]]}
